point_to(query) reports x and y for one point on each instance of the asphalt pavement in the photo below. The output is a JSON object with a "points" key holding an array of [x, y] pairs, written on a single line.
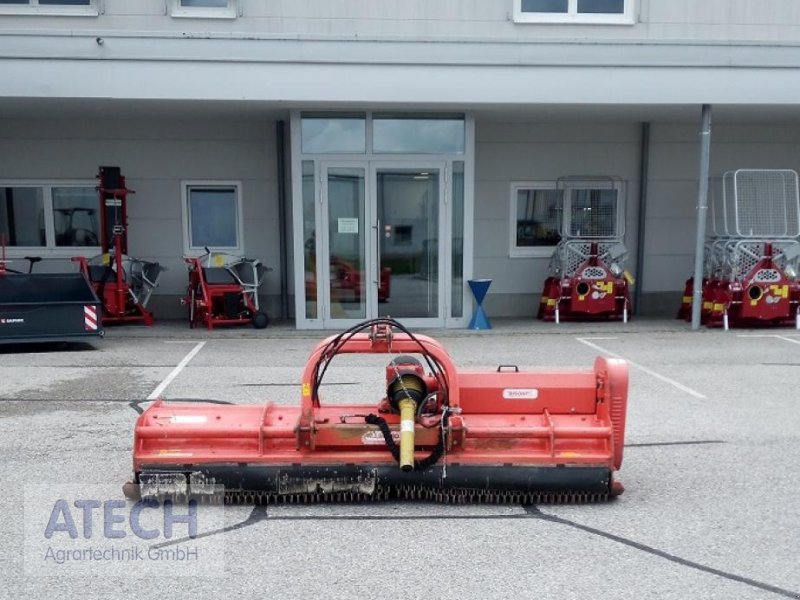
{"points": [[710, 509]]}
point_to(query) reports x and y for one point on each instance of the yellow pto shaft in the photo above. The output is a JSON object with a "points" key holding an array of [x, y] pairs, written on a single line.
{"points": [[408, 409]]}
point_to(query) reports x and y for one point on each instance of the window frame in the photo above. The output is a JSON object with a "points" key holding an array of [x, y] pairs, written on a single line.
{"points": [[50, 248], [34, 8], [566, 186], [231, 11], [515, 251], [572, 16], [186, 185]]}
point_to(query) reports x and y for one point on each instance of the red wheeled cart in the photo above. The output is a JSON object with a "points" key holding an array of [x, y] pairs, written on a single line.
{"points": [[223, 290]]}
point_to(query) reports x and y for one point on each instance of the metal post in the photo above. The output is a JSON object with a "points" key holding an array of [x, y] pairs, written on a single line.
{"points": [[702, 210], [643, 177], [280, 147]]}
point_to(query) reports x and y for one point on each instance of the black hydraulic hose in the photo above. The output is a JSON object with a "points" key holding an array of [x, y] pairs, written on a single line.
{"points": [[332, 348], [419, 465], [387, 434]]}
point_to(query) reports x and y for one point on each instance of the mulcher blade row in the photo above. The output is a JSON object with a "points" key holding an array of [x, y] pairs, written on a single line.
{"points": [[394, 493]]}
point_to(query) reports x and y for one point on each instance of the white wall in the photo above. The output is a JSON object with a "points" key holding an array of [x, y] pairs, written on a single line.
{"points": [[657, 20], [155, 155], [391, 52]]}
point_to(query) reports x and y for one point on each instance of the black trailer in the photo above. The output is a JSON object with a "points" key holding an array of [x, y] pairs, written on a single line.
{"points": [[48, 307]]}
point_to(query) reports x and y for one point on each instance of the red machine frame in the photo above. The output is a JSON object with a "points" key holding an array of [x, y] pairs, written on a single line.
{"points": [[207, 299], [504, 429], [764, 296], [120, 305], [592, 291]]}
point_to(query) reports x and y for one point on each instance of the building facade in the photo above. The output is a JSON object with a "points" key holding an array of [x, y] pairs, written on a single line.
{"points": [[378, 154]]}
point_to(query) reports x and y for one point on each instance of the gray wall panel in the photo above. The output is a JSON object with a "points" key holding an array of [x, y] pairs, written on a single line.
{"points": [[491, 199], [521, 276], [491, 237], [668, 273]]}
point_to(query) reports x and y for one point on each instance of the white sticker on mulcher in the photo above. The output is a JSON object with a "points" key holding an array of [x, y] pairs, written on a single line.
{"points": [[520, 393], [374, 438], [188, 419]]}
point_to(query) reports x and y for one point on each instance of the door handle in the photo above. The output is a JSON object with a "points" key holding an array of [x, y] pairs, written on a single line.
{"points": [[377, 280]]}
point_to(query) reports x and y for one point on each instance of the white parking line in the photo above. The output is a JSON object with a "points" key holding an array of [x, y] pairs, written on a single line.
{"points": [[174, 373], [769, 335], [647, 370]]}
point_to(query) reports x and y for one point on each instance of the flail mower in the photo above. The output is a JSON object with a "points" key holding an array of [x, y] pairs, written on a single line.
{"points": [[223, 290], [123, 283], [752, 258], [436, 433]]}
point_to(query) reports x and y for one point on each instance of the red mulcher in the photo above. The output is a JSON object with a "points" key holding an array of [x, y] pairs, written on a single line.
{"points": [[438, 433]]}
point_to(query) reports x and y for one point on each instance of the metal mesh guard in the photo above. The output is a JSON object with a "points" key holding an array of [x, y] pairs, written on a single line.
{"points": [[571, 254], [594, 273], [762, 203], [593, 213]]}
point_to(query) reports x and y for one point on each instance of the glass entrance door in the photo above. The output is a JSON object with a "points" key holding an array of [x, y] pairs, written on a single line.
{"points": [[382, 243], [344, 206], [409, 244]]}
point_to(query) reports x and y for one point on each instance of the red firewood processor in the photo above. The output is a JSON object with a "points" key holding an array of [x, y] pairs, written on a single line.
{"points": [[440, 434]]}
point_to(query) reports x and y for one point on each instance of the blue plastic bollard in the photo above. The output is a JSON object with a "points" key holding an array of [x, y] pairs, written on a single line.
{"points": [[479, 288]]}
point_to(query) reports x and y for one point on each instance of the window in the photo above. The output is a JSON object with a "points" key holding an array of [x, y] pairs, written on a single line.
{"points": [[212, 216], [418, 134], [536, 213], [78, 8], [333, 133], [611, 12], [76, 216], [543, 212], [211, 9], [49, 216]]}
